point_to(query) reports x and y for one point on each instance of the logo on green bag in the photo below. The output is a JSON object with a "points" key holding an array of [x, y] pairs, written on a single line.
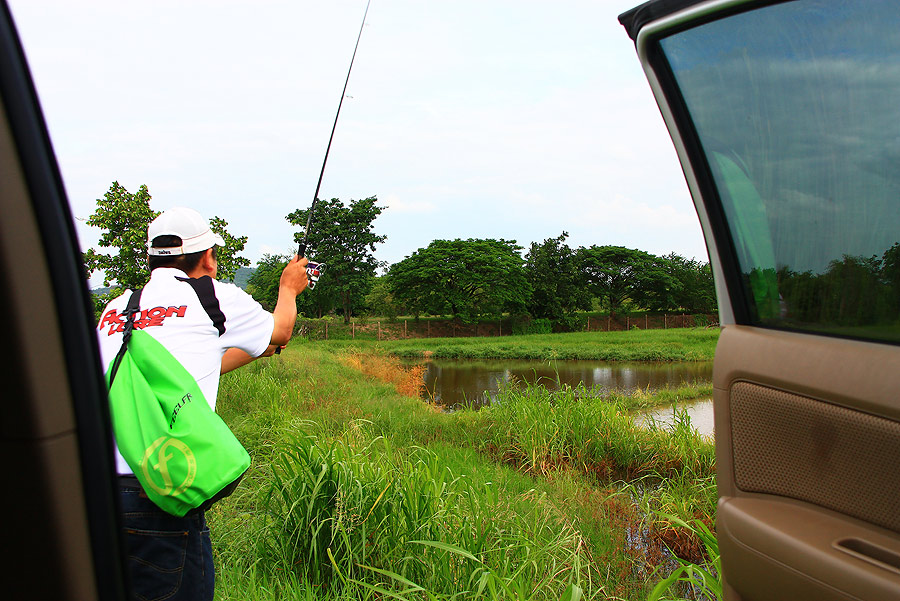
{"points": [[159, 456]]}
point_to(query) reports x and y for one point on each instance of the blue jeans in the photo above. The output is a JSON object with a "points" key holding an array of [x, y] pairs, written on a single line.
{"points": [[168, 557]]}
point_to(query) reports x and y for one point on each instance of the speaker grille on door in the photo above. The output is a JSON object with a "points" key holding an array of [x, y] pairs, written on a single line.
{"points": [[794, 446]]}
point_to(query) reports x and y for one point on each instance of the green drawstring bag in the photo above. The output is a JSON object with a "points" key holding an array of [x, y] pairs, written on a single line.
{"points": [[180, 450]]}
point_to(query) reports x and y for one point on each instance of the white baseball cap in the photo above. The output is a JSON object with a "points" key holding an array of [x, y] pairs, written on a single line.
{"points": [[188, 225]]}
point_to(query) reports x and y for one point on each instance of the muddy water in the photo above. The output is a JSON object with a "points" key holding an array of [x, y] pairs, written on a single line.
{"points": [[700, 412], [453, 382]]}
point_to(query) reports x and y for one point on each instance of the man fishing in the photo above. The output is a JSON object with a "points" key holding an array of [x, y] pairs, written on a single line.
{"points": [[210, 328]]}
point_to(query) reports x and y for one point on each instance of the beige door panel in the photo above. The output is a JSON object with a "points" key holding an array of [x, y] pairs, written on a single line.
{"points": [[808, 448]]}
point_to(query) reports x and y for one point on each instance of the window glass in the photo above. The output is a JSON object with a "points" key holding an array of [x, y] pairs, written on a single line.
{"points": [[797, 106]]}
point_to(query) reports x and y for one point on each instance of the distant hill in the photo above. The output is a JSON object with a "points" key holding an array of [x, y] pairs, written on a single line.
{"points": [[242, 276]]}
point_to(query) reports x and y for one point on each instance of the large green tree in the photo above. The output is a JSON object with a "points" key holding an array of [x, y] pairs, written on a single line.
{"points": [[124, 218], [227, 256], [694, 290], [343, 237], [552, 274], [466, 278], [380, 300], [264, 283], [616, 273]]}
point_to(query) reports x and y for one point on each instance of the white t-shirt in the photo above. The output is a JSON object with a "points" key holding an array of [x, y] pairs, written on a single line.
{"points": [[172, 313]]}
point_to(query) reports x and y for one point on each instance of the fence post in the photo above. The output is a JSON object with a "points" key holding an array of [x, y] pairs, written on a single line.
{"points": [[665, 321], [500, 327], [353, 330], [326, 330], [646, 322], [379, 330], [589, 323], [404, 328], [609, 322]]}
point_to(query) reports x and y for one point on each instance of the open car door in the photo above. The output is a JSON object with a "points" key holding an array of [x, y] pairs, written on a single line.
{"points": [[59, 495], [786, 119]]}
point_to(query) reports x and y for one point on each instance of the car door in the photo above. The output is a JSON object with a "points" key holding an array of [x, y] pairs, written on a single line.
{"points": [[786, 119], [59, 502]]}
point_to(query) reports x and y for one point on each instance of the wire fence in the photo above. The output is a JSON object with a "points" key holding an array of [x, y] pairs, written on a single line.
{"points": [[398, 329]]}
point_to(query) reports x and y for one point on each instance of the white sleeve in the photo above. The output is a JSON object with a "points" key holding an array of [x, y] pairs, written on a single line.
{"points": [[247, 325]]}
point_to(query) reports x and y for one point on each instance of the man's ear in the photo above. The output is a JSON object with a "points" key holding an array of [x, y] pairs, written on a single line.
{"points": [[209, 261]]}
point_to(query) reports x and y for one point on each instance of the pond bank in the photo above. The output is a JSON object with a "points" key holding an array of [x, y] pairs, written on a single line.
{"points": [[694, 344]]}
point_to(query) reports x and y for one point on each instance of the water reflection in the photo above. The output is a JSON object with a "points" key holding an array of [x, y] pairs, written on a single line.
{"points": [[453, 382], [700, 412]]}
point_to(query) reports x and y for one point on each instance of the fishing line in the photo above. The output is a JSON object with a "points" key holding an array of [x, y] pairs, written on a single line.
{"points": [[309, 219], [315, 270]]}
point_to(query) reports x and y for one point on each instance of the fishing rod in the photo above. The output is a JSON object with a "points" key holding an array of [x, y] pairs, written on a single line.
{"points": [[314, 270]]}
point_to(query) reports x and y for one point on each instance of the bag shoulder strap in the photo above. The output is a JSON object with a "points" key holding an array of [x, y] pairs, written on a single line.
{"points": [[207, 295], [131, 309], [203, 287]]}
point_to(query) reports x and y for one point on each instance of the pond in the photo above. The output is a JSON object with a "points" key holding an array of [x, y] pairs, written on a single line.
{"points": [[700, 412], [454, 382]]}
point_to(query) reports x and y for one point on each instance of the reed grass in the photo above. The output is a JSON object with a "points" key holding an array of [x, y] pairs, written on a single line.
{"points": [[360, 492], [539, 430]]}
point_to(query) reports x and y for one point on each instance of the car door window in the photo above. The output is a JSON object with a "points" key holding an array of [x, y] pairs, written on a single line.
{"points": [[795, 106]]}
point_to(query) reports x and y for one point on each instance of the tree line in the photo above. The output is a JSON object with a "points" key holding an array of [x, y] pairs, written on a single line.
{"points": [[468, 279], [852, 291]]}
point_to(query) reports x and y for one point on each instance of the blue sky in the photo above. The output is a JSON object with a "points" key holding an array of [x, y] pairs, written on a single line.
{"points": [[514, 120]]}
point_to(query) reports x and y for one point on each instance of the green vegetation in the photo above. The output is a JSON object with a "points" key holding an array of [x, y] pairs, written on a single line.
{"points": [[124, 218], [854, 292], [343, 237], [558, 297], [464, 278], [546, 290], [616, 274], [360, 492], [696, 344]]}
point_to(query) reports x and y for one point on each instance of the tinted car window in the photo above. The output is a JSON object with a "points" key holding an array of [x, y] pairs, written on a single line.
{"points": [[795, 106]]}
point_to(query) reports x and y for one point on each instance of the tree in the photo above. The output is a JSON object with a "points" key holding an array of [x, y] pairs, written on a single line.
{"points": [[556, 289], [890, 272], [694, 290], [466, 278], [124, 217], [616, 273], [380, 300], [264, 283], [343, 238], [263, 286], [226, 256]]}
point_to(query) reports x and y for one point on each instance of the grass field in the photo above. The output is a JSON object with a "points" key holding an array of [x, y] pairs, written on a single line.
{"points": [[683, 344], [359, 490]]}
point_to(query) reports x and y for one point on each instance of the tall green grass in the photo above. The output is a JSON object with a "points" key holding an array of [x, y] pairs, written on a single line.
{"points": [[538, 430], [357, 492], [359, 515]]}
